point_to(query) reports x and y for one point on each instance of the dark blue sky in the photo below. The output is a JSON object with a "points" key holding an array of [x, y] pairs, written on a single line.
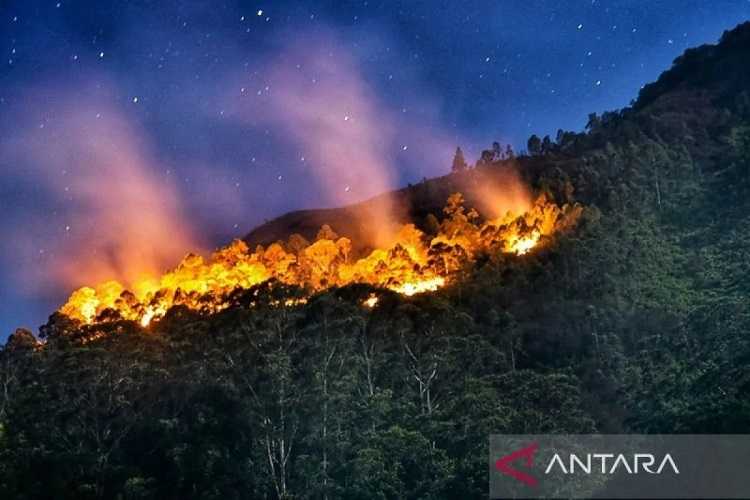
{"points": [[151, 128]]}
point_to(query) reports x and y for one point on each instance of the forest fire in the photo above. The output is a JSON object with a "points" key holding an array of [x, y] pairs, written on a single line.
{"points": [[414, 263]]}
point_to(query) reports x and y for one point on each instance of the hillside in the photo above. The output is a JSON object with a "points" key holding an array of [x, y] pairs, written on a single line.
{"points": [[635, 319]]}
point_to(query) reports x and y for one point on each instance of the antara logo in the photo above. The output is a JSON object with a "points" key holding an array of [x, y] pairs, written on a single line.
{"points": [[604, 463], [524, 453]]}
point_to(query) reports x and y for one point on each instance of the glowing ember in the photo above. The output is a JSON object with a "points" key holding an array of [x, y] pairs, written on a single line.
{"points": [[523, 245], [371, 301], [412, 288], [151, 312], [414, 263]]}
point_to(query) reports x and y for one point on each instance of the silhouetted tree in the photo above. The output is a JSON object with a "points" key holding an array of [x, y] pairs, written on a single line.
{"points": [[486, 158], [459, 162], [593, 123], [546, 145], [534, 145], [497, 152]]}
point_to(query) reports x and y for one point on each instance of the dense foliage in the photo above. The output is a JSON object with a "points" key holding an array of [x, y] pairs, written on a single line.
{"points": [[635, 322]]}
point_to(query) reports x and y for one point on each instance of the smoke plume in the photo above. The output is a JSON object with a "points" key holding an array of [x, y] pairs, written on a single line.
{"points": [[317, 96], [106, 210], [499, 194]]}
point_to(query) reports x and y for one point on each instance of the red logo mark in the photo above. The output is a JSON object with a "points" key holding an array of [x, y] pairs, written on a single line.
{"points": [[524, 453]]}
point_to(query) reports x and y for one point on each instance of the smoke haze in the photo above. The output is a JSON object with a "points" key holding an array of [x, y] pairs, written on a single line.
{"points": [[317, 97], [116, 210]]}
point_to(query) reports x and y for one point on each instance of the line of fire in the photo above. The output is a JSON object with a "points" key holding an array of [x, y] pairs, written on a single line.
{"points": [[413, 263]]}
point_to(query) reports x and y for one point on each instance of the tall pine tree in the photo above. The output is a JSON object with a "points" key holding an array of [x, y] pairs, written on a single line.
{"points": [[459, 163]]}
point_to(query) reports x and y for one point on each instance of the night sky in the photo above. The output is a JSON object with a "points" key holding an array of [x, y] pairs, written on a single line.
{"points": [[133, 132]]}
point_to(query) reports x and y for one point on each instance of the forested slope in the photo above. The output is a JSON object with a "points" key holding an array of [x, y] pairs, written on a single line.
{"points": [[636, 321]]}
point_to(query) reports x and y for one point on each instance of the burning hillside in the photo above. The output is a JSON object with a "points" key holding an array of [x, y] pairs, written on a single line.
{"points": [[414, 262]]}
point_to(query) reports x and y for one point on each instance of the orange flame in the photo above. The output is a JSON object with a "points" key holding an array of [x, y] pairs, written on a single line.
{"points": [[413, 264]]}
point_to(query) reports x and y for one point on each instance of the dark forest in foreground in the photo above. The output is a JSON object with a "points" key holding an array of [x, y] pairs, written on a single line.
{"points": [[636, 321]]}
